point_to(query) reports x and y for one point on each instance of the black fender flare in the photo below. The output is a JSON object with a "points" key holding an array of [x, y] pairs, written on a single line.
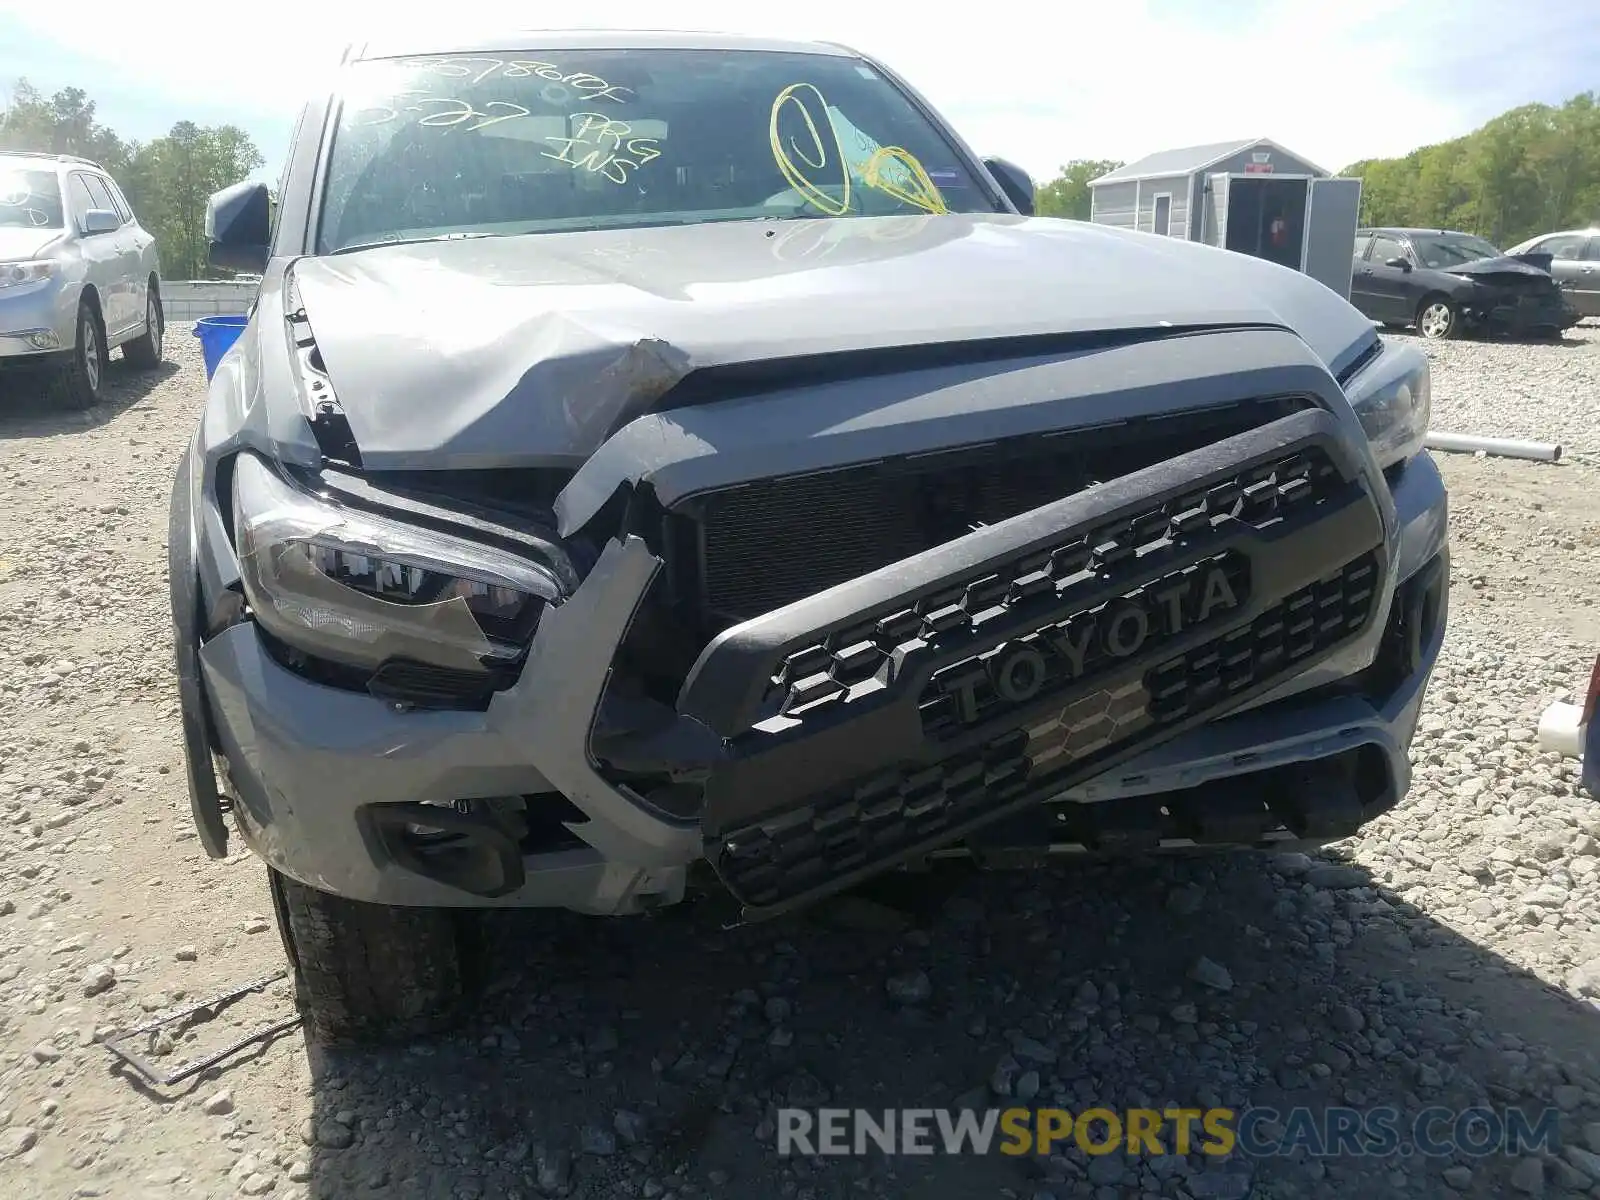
{"points": [[206, 803]]}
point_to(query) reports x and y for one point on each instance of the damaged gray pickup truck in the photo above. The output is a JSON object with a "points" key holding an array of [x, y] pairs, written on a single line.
{"points": [[657, 458]]}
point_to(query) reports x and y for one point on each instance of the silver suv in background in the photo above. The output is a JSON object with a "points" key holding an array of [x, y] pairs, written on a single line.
{"points": [[78, 274]]}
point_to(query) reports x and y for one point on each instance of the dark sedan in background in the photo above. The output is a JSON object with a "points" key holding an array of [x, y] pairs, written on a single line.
{"points": [[1447, 283]]}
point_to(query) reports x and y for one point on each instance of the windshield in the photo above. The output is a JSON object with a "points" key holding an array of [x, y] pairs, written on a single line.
{"points": [[534, 141], [31, 199], [1452, 251]]}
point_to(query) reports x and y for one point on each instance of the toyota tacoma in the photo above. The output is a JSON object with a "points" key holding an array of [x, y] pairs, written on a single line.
{"points": [[657, 458]]}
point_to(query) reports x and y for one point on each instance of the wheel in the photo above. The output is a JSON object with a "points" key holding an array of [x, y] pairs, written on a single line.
{"points": [[1437, 319], [144, 351], [77, 383], [370, 972]]}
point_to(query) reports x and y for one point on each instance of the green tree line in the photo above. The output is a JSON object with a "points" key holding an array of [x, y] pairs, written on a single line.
{"points": [[1532, 170], [1067, 195], [1528, 171], [166, 179]]}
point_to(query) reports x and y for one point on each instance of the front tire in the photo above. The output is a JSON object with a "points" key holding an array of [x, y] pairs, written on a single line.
{"points": [[370, 972], [144, 352], [1437, 319], [80, 378]]}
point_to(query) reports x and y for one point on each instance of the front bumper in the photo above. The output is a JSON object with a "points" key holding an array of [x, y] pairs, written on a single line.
{"points": [[1516, 315], [311, 767], [37, 319]]}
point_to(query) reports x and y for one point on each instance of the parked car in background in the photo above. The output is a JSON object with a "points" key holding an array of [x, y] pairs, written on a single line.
{"points": [[1575, 264], [1447, 283], [78, 275]]}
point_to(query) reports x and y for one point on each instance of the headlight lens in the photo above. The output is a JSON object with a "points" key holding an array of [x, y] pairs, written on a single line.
{"points": [[1394, 399], [15, 274], [353, 588]]}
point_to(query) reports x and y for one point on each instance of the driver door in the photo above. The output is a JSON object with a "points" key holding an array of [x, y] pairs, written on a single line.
{"points": [[124, 290], [1392, 288], [101, 254]]}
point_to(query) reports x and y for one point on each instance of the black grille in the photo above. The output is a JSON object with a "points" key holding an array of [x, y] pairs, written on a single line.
{"points": [[822, 673], [894, 811], [767, 544], [1311, 620]]}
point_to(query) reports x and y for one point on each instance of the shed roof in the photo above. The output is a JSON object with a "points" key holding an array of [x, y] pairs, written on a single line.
{"points": [[1187, 160]]}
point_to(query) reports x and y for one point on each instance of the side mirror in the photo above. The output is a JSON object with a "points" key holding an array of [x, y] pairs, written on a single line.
{"points": [[100, 220], [1400, 264], [239, 228], [1014, 182]]}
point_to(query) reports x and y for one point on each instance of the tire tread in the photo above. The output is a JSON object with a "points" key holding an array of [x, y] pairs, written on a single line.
{"points": [[142, 353], [370, 972]]}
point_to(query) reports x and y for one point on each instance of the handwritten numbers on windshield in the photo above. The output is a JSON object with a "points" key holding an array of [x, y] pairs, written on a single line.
{"points": [[813, 151], [604, 147], [441, 112], [452, 112], [476, 70]]}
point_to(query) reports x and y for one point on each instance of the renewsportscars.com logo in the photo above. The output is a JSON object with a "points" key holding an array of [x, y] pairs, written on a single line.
{"points": [[1258, 1132]]}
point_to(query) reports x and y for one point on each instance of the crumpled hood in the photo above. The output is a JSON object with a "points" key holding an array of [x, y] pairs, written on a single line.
{"points": [[531, 350], [1505, 264], [19, 242]]}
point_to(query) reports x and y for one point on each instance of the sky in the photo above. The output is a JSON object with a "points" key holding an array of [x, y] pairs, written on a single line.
{"points": [[1036, 82]]}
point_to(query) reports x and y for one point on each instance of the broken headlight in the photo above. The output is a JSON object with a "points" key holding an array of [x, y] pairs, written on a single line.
{"points": [[352, 587], [1393, 397]]}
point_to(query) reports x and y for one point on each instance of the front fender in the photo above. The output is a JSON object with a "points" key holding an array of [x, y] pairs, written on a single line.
{"points": [[205, 800]]}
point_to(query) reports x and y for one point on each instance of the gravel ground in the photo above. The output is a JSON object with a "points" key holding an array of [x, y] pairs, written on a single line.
{"points": [[1448, 956], [1544, 393]]}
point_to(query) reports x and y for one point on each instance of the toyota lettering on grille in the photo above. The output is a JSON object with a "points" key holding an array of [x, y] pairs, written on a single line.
{"points": [[1082, 646]]}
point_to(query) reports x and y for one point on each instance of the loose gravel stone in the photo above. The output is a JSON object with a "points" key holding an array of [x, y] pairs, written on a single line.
{"points": [[217, 1104], [44, 1052], [912, 988], [334, 1135], [98, 978], [1212, 975], [1527, 1177]]}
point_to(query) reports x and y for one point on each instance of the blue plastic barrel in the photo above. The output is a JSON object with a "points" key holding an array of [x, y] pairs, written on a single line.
{"points": [[216, 334]]}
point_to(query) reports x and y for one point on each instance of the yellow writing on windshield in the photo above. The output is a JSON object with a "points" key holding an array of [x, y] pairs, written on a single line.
{"points": [[811, 170], [913, 188], [814, 157]]}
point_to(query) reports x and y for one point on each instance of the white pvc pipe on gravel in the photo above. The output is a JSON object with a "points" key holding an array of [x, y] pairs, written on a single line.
{"points": [[1466, 443], [1559, 730]]}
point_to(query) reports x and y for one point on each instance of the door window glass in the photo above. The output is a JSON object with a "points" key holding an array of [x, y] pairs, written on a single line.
{"points": [[1564, 246], [124, 209], [99, 194], [78, 198], [1385, 248]]}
